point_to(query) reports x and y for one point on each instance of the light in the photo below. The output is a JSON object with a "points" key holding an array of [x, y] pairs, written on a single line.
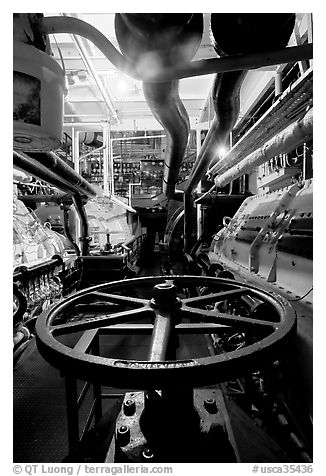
{"points": [[221, 151], [122, 86]]}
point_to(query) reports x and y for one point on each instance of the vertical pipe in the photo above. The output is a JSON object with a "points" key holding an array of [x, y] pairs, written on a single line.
{"points": [[75, 158], [111, 161], [105, 159], [198, 206], [84, 238], [111, 164], [278, 83], [304, 161]]}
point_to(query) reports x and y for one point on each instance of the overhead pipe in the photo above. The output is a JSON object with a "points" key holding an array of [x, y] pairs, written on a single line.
{"points": [[291, 137], [33, 167], [59, 24], [154, 40], [232, 34], [54, 163], [92, 70]]}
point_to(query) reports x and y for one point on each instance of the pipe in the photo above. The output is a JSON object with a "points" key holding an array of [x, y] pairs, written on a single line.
{"points": [[53, 25], [66, 228], [122, 204], [31, 166], [89, 66], [291, 137], [39, 198], [168, 109], [84, 238], [163, 39], [54, 163], [226, 100]]}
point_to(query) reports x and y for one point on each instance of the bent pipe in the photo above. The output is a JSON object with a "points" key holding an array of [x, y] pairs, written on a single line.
{"points": [[81, 212], [168, 109], [232, 34], [152, 41], [67, 229]]}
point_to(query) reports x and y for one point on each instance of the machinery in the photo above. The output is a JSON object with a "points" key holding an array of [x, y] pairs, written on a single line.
{"points": [[173, 279]]}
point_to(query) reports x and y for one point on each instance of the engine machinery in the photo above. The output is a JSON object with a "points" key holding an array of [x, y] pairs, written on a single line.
{"points": [[224, 370]]}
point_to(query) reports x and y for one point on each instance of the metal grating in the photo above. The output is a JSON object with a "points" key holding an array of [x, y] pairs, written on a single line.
{"points": [[290, 106]]}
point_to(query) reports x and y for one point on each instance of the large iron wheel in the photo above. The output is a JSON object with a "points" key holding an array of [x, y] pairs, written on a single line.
{"points": [[173, 304]]}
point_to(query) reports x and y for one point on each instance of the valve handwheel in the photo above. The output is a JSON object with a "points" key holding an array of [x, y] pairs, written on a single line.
{"points": [[173, 307]]}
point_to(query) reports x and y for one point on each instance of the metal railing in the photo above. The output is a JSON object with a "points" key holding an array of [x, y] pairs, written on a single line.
{"points": [[133, 248]]}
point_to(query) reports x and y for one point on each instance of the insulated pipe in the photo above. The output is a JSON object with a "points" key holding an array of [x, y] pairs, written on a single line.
{"points": [[54, 163], [152, 41], [53, 25], [290, 138]]}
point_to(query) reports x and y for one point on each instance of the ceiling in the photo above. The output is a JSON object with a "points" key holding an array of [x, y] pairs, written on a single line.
{"points": [[85, 104]]}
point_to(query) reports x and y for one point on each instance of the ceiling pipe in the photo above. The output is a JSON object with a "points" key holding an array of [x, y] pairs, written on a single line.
{"points": [[151, 41], [92, 71], [290, 138], [52, 25]]}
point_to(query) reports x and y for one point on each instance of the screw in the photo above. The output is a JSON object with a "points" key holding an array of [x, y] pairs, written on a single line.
{"points": [[129, 407], [210, 405], [123, 435], [147, 454]]}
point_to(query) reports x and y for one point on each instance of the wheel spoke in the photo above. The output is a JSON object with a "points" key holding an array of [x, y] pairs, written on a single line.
{"points": [[118, 298], [209, 298], [100, 321], [224, 318], [161, 335]]}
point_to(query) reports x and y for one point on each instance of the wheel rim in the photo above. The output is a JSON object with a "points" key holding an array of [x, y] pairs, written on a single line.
{"points": [[274, 335]]}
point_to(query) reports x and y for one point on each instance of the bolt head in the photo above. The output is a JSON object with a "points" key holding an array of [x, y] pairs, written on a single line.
{"points": [[165, 295]]}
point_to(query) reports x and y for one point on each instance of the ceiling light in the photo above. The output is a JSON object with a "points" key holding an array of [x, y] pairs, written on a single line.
{"points": [[221, 151]]}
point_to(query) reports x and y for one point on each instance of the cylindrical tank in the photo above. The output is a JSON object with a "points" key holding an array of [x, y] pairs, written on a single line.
{"points": [[38, 96]]}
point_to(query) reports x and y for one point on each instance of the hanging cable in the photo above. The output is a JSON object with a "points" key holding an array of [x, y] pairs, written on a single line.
{"points": [[299, 299]]}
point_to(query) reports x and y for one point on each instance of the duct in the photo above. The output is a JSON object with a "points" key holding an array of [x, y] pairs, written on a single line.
{"points": [[52, 162], [287, 140], [152, 40], [52, 25]]}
